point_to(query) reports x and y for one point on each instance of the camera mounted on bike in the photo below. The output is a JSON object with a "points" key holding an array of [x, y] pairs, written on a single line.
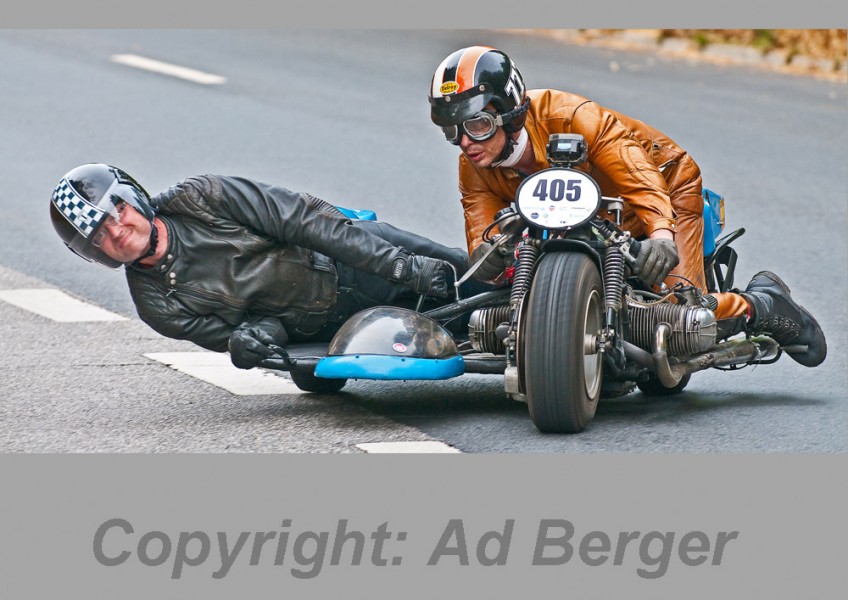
{"points": [[567, 149]]}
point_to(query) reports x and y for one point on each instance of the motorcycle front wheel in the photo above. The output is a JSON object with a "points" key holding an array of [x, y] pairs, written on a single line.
{"points": [[562, 368]]}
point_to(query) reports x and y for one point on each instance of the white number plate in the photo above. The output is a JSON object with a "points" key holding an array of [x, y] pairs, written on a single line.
{"points": [[558, 198]]}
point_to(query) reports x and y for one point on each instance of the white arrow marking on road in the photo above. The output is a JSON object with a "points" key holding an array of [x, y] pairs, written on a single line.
{"points": [[57, 305], [217, 368], [156, 66]]}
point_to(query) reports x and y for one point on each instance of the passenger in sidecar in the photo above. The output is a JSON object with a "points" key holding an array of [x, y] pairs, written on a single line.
{"points": [[238, 265]]}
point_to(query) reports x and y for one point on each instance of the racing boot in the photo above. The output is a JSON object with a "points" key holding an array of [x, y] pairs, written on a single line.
{"points": [[785, 321]]}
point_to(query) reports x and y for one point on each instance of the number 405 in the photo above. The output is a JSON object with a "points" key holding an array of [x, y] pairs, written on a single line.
{"points": [[557, 189]]}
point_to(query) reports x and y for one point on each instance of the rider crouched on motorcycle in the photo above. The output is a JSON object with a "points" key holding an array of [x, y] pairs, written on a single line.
{"points": [[478, 97], [235, 264]]}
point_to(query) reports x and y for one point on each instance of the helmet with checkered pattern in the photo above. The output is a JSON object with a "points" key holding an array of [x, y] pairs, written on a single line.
{"points": [[84, 199]]}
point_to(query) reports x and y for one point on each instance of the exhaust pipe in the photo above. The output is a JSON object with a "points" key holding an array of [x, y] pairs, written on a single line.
{"points": [[727, 353]]}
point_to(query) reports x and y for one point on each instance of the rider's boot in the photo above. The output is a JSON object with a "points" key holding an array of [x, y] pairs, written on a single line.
{"points": [[775, 313]]}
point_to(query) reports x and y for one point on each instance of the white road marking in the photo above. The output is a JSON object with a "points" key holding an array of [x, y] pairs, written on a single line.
{"points": [[57, 305], [217, 369], [211, 367], [407, 448], [156, 66]]}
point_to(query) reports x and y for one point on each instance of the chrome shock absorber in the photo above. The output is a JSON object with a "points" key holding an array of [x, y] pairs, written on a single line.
{"points": [[613, 286], [613, 273], [525, 265], [613, 278]]}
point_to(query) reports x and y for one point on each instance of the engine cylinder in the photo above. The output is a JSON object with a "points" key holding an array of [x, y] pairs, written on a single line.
{"points": [[694, 328], [482, 327]]}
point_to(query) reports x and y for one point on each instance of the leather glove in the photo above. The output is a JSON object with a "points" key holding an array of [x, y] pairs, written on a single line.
{"points": [[424, 275], [249, 342], [657, 257], [495, 263]]}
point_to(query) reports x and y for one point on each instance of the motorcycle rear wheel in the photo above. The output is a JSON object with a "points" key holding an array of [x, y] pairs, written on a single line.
{"points": [[562, 370], [305, 380]]}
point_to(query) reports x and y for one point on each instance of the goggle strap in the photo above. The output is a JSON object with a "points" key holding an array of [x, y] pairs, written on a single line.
{"points": [[515, 112]]}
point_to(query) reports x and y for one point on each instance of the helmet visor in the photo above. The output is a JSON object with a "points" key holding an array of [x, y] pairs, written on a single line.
{"points": [[88, 219], [451, 110]]}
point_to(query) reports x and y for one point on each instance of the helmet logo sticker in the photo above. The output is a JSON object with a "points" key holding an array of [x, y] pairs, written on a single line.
{"points": [[81, 214], [448, 87], [514, 85]]}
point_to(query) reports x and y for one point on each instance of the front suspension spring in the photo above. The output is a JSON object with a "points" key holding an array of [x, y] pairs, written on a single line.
{"points": [[613, 278], [525, 264]]}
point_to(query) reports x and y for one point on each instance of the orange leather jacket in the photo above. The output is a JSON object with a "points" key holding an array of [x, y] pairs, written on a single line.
{"points": [[629, 159]]}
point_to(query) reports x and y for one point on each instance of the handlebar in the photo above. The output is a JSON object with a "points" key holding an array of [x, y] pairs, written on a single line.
{"points": [[497, 242], [282, 361]]}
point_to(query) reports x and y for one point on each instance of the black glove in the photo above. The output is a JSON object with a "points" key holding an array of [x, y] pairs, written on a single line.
{"points": [[656, 260], [495, 263], [424, 275], [249, 342]]}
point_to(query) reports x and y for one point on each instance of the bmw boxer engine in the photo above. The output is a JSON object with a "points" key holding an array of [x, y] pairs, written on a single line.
{"points": [[693, 328]]}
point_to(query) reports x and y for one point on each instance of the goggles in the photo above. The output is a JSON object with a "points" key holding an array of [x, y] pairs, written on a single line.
{"points": [[479, 128]]}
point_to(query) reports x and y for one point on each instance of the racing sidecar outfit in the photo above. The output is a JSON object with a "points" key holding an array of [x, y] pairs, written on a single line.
{"points": [[659, 182]]}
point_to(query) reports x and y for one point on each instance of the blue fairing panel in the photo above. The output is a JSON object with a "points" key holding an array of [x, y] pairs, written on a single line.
{"points": [[358, 213], [372, 366], [713, 219]]}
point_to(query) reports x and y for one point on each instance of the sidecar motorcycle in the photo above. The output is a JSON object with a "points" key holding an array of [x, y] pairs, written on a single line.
{"points": [[568, 325]]}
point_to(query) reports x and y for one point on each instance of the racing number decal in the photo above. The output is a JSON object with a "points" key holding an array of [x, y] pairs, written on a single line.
{"points": [[557, 198], [559, 190], [514, 86]]}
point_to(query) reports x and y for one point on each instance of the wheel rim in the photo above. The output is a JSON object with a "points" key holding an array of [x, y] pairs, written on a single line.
{"points": [[592, 361]]}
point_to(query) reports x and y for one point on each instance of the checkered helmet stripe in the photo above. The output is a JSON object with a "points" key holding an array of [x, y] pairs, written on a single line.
{"points": [[82, 214]]}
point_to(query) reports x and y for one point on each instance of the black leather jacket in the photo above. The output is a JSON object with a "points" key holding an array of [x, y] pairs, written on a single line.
{"points": [[239, 249]]}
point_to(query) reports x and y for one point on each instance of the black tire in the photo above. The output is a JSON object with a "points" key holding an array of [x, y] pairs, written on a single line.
{"points": [[564, 310], [654, 387], [305, 380]]}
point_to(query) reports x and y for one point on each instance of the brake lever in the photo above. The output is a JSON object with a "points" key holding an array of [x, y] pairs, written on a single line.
{"points": [[626, 249], [501, 240], [282, 361], [630, 249]]}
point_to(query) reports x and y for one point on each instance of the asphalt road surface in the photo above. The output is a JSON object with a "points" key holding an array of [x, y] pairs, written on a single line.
{"points": [[344, 115]]}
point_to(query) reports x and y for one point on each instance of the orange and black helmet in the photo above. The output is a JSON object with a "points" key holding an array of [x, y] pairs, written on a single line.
{"points": [[470, 79]]}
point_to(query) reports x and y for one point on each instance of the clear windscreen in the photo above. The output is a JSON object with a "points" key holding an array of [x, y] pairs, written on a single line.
{"points": [[393, 331]]}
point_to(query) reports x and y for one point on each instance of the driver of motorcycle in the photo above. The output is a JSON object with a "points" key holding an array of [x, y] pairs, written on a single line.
{"points": [[479, 100], [235, 264]]}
